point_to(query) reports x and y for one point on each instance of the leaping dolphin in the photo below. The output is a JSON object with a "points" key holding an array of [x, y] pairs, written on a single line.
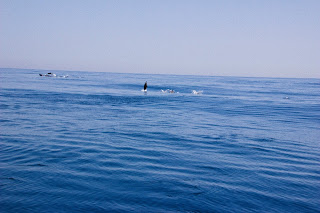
{"points": [[145, 86]]}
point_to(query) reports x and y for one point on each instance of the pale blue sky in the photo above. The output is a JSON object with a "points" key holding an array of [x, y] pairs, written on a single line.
{"points": [[267, 38]]}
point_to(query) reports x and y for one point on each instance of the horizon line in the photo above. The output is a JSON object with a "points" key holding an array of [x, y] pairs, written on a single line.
{"points": [[159, 73]]}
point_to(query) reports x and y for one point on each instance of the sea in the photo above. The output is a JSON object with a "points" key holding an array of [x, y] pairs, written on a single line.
{"points": [[96, 142]]}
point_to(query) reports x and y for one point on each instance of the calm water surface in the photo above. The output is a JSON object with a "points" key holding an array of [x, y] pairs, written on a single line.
{"points": [[94, 142]]}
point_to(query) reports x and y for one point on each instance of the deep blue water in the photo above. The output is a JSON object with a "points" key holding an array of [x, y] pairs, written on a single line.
{"points": [[94, 142]]}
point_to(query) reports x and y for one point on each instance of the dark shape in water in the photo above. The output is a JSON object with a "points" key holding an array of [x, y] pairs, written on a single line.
{"points": [[49, 74], [145, 86]]}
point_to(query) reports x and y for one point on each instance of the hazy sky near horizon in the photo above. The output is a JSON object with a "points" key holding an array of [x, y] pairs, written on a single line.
{"points": [[267, 38]]}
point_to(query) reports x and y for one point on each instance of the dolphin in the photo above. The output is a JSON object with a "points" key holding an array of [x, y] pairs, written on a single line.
{"points": [[145, 86]]}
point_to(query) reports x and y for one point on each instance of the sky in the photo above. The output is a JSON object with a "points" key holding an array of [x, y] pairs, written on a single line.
{"points": [[252, 38]]}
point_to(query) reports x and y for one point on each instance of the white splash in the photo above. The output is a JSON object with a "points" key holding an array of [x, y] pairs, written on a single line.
{"points": [[168, 91], [197, 92]]}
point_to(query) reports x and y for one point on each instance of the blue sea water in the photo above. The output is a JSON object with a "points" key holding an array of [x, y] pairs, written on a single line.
{"points": [[94, 142]]}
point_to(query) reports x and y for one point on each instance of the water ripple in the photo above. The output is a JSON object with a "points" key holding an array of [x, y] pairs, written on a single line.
{"points": [[95, 143]]}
